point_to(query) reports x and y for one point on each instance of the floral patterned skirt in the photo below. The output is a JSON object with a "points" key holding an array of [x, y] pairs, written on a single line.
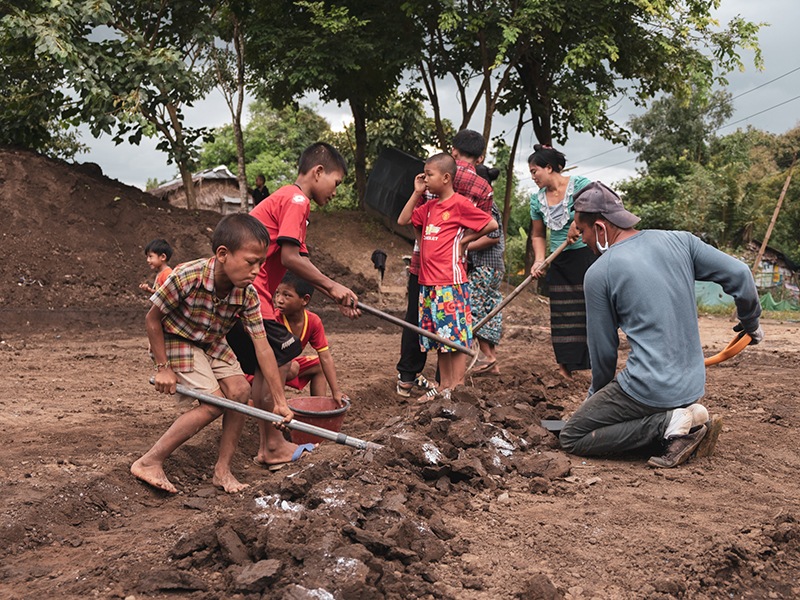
{"points": [[444, 310], [485, 287]]}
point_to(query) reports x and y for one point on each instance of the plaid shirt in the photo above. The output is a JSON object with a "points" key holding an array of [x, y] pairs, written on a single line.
{"points": [[493, 255], [468, 183], [193, 316]]}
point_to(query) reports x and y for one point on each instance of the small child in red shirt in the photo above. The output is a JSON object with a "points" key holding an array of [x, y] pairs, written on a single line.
{"points": [[445, 227], [291, 299], [158, 253]]}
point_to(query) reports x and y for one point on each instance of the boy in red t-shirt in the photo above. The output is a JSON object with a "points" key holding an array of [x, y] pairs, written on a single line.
{"points": [[285, 214], [291, 299], [158, 253], [445, 227]]}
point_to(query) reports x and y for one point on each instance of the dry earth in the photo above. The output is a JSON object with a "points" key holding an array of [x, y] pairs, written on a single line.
{"points": [[469, 499]]}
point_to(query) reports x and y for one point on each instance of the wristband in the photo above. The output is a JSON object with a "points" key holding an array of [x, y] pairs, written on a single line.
{"points": [[160, 366]]}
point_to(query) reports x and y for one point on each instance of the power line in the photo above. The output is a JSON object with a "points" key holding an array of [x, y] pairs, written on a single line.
{"points": [[761, 112], [622, 162], [717, 129], [601, 154], [766, 83]]}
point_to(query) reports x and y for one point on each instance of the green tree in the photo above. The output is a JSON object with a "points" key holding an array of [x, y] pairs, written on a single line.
{"points": [[273, 141], [675, 128], [31, 100], [227, 59], [132, 65], [349, 51]]}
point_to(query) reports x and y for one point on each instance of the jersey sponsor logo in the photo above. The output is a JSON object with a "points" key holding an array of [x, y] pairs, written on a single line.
{"points": [[287, 343], [298, 198], [432, 229]]}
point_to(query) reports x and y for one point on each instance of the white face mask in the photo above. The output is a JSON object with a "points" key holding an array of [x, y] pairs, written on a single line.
{"points": [[601, 248]]}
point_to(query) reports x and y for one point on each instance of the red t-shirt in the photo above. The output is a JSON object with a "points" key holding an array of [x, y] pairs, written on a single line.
{"points": [[313, 331], [285, 215], [162, 277], [443, 224], [468, 183]]}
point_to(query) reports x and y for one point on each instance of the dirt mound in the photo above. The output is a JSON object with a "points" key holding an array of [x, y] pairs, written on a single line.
{"points": [[75, 239]]}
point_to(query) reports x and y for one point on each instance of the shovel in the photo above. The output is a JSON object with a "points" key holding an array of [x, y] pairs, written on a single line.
{"points": [[419, 330], [264, 415], [517, 290]]}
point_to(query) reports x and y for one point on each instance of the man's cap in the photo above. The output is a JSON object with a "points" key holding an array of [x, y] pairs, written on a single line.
{"points": [[599, 198]]}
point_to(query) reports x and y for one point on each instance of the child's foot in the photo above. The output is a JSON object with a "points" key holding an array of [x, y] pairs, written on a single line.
{"points": [[153, 475], [277, 456], [228, 482]]}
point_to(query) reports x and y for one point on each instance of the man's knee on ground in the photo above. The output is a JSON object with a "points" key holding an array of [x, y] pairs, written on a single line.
{"points": [[569, 437]]}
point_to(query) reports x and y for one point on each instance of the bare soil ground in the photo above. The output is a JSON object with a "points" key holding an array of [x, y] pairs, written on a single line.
{"points": [[469, 499]]}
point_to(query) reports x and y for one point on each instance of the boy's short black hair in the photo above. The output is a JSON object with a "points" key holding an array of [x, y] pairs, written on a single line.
{"points": [[469, 143], [444, 162], [158, 247], [235, 230], [300, 285], [322, 153]]}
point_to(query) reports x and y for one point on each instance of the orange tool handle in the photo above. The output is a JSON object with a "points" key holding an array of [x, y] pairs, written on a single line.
{"points": [[736, 345]]}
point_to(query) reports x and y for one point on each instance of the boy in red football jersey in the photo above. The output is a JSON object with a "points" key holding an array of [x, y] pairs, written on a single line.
{"points": [[445, 227], [291, 299], [285, 214]]}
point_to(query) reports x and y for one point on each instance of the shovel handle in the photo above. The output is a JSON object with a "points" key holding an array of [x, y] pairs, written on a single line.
{"points": [[264, 415], [525, 283], [736, 345], [419, 330]]}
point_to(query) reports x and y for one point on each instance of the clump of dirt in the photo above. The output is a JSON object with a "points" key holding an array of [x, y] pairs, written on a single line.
{"points": [[372, 524]]}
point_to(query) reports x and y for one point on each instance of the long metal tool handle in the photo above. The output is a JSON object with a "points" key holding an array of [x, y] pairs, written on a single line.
{"points": [[264, 415], [419, 330], [525, 283]]}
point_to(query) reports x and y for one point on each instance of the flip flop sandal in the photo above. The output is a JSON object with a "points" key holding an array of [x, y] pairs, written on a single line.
{"points": [[483, 367], [423, 383], [429, 395], [298, 452]]}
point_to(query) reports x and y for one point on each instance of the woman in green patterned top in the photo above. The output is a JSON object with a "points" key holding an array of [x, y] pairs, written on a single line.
{"points": [[551, 209]]}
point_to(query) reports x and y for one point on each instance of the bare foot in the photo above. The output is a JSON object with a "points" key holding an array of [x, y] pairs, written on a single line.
{"points": [[275, 456], [564, 372], [154, 475], [228, 482]]}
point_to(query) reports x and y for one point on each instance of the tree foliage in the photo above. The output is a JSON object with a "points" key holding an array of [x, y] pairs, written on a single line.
{"points": [[273, 141], [31, 101], [348, 51], [724, 189], [130, 65]]}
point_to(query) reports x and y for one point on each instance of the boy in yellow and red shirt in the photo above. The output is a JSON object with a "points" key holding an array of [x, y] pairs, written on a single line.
{"points": [[291, 299]]}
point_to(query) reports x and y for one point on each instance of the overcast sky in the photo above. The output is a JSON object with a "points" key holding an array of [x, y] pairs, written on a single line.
{"points": [[594, 157]]}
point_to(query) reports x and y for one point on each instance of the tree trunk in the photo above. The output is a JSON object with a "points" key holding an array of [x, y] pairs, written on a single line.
{"points": [[510, 172], [238, 45], [360, 125], [188, 186], [180, 156]]}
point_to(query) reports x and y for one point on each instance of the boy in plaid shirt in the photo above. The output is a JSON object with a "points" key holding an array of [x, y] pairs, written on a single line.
{"points": [[186, 326]]}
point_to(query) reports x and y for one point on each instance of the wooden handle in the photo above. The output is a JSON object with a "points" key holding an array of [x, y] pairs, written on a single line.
{"points": [[525, 283], [419, 330]]}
